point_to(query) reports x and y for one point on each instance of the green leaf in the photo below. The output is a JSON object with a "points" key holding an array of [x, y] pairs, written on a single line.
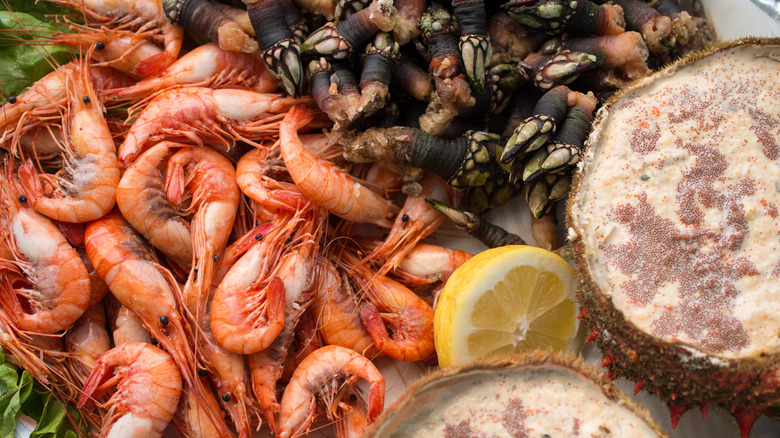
{"points": [[8, 379], [38, 9], [52, 419], [25, 386], [25, 62], [9, 416]]}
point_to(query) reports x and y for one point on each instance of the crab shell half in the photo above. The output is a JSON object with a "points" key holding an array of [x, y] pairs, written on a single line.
{"points": [[536, 394], [682, 373]]}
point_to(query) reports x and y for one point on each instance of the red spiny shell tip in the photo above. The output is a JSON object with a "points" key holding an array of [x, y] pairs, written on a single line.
{"points": [[638, 386], [704, 406], [675, 412], [745, 419]]}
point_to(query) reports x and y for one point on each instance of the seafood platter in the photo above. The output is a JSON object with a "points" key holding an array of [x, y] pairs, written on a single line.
{"points": [[389, 218]]}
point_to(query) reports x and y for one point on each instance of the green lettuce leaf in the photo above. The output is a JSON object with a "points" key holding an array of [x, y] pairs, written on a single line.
{"points": [[22, 22], [20, 394]]}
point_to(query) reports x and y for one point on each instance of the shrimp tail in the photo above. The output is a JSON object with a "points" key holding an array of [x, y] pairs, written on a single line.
{"points": [[153, 64], [264, 375], [374, 324], [175, 184], [98, 381], [8, 299]]}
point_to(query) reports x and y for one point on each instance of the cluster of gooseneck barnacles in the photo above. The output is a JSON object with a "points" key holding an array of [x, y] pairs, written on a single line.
{"points": [[495, 98]]}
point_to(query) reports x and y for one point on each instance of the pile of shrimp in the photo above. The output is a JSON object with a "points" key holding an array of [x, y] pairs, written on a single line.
{"points": [[182, 246]]}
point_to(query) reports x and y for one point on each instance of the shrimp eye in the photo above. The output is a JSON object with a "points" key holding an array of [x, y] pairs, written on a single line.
{"points": [[352, 398], [100, 45], [258, 236], [11, 99], [226, 397], [202, 372], [164, 320], [405, 218], [86, 99], [215, 258], [271, 434], [22, 199]]}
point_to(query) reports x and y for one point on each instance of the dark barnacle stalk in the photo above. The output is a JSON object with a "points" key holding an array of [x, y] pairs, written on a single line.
{"points": [[488, 233], [474, 42], [626, 52], [294, 20], [413, 79], [535, 130], [335, 91], [281, 53], [547, 71], [656, 29], [564, 149], [338, 40], [466, 161], [381, 57], [440, 35], [574, 16], [201, 17]]}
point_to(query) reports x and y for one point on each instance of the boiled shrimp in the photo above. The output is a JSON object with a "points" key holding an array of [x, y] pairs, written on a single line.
{"points": [[196, 112], [414, 222], [142, 14], [191, 418], [47, 95], [336, 311], [87, 340], [263, 178], [85, 189], [50, 288], [296, 269], [228, 375], [143, 202], [125, 51], [352, 420], [247, 311], [129, 267], [410, 317], [204, 181], [258, 173], [148, 389], [205, 66], [325, 373], [426, 264], [326, 185]]}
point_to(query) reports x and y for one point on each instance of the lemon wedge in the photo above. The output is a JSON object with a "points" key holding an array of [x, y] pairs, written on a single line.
{"points": [[507, 301]]}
